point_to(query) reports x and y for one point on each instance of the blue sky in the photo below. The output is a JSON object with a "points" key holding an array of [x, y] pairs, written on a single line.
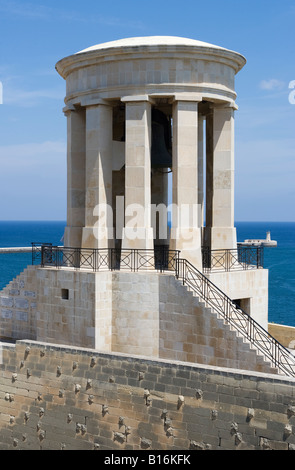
{"points": [[36, 34]]}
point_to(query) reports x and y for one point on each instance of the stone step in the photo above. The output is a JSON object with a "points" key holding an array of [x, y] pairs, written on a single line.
{"points": [[247, 349]]}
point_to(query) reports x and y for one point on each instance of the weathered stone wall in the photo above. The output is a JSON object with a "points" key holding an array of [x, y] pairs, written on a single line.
{"points": [[62, 306], [54, 397], [250, 286], [140, 313], [135, 313], [283, 333], [18, 306]]}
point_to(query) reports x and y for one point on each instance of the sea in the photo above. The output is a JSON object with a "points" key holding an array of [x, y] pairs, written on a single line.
{"points": [[280, 260]]}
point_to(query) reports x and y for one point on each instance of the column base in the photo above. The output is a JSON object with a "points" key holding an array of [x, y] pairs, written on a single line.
{"points": [[93, 237], [188, 242], [73, 237], [220, 238], [140, 238]]}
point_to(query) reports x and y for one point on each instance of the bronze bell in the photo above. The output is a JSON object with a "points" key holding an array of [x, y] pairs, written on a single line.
{"points": [[160, 155]]}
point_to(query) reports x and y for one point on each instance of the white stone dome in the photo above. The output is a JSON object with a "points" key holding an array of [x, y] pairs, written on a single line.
{"points": [[151, 41]]}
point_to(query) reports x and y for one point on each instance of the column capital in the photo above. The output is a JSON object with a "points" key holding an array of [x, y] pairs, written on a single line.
{"points": [[88, 102], [194, 97], [135, 98], [68, 109], [223, 105]]}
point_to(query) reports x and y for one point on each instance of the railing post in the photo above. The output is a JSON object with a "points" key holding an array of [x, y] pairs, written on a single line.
{"points": [[77, 257], [42, 256], [95, 254], [177, 264], [33, 257], [275, 354], [58, 257], [176, 268]]}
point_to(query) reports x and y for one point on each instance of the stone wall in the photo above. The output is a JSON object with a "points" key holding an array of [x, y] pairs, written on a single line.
{"points": [[61, 306], [283, 333], [57, 397], [135, 313], [18, 307], [140, 313], [249, 286]]}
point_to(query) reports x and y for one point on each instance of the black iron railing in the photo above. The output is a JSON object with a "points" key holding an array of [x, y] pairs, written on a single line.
{"points": [[243, 258], [239, 259], [278, 355], [37, 251], [95, 259]]}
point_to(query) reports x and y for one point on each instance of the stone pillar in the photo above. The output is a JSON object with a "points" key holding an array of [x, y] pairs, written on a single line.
{"points": [[220, 232], [201, 167], [186, 231], [159, 205], [98, 230], [75, 177], [138, 232]]}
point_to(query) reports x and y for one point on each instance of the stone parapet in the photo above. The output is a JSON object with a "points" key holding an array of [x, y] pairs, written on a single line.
{"points": [[56, 397]]}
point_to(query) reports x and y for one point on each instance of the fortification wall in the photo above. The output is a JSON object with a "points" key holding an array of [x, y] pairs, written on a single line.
{"points": [[57, 397]]}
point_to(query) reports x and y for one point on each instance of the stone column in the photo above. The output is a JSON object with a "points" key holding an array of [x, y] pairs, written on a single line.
{"points": [[138, 232], [75, 177], [201, 167], [98, 230], [186, 231], [159, 205], [220, 232]]}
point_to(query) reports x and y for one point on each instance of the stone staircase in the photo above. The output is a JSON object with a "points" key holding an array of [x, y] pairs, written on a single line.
{"points": [[267, 349], [211, 339]]}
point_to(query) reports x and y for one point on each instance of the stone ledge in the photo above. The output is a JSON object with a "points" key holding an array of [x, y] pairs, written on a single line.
{"points": [[236, 374], [23, 249]]}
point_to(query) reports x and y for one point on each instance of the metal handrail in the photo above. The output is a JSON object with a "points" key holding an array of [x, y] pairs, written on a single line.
{"points": [[278, 355], [242, 258], [97, 259]]}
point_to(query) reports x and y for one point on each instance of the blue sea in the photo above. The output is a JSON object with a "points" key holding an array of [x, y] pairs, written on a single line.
{"points": [[279, 260], [22, 234]]}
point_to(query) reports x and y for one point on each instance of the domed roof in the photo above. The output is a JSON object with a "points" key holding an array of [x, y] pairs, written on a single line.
{"points": [[148, 45], [151, 41]]}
